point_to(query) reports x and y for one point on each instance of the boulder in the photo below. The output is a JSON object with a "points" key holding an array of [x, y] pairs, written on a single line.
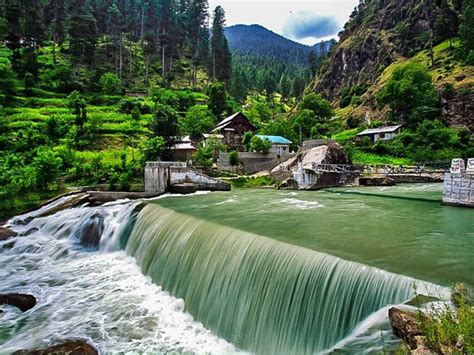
{"points": [[70, 347], [376, 181], [91, 232], [405, 326], [461, 295], [23, 302], [6, 233], [184, 189]]}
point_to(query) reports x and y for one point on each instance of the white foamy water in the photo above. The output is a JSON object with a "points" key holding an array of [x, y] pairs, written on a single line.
{"points": [[99, 296], [301, 204]]}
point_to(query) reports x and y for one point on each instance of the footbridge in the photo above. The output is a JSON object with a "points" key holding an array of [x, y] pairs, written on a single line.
{"points": [[430, 168]]}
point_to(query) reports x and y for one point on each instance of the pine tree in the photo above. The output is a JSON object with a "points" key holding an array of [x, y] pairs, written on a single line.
{"points": [[466, 30], [446, 24], [220, 54], [83, 34], [13, 16]]}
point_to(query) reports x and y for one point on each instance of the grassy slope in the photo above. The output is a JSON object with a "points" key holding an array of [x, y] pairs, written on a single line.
{"points": [[447, 70]]}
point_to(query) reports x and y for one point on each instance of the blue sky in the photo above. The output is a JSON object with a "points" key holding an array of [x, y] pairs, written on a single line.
{"points": [[305, 21]]}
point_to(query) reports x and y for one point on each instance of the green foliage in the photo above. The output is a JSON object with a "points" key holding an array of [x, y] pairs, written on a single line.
{"points": [[110, 83], [410, 92], [466, 30], [260, 145], [153, 148], [207, 153], [234, 159], [47, 164], [164, 123], [7, 79], [320, 107], [448, 329], [78, 107], [252, 182], [220, 66], [217, 99], [198, 120], [246, 139]]}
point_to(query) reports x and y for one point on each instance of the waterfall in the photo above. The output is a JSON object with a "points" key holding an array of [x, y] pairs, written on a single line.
{"points": [[263, 295]]}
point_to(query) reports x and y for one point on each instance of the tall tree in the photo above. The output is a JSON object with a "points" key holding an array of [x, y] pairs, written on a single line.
{"points": [[221, 67], [13, 17], [83, 33], [466, 30]]}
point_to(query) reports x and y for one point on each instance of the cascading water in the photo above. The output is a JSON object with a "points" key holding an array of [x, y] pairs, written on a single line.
{"points": [[99, 296], [262, 295]]}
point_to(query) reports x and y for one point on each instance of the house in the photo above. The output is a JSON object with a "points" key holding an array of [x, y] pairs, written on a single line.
{"points": [[233, 128], [280, 145], [382, 133], [183, 149]]}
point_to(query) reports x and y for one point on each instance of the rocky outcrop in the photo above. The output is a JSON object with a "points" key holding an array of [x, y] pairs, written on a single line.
{"points": [[23, 302], [405, 326], [6, 233], [91, 232], [377, 34], [380, 33], [70, 347]]}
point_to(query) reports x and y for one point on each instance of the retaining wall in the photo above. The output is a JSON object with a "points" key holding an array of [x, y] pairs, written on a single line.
{"points": [[458, 190]]}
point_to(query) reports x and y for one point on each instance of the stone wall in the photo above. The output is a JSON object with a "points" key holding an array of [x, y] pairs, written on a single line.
{"points": [[458, 190], [156, 177]]}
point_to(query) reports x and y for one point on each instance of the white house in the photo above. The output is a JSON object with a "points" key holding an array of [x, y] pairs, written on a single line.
{"points": [[381, 133]]}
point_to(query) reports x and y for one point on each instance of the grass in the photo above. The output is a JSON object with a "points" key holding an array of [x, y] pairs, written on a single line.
{"points": [[361, 158], [252, 182]]}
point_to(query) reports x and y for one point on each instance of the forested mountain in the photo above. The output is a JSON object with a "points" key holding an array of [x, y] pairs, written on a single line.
{"points": [[267, 62], [382, 35], [257, 40]]}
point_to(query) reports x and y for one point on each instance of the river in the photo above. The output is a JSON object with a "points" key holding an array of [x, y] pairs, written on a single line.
{"points": [[261, 271]]}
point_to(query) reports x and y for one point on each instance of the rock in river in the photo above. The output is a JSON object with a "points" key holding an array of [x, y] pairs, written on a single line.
{"points": [[406, 327], [6, 233], [23, 302], [71, 347]]}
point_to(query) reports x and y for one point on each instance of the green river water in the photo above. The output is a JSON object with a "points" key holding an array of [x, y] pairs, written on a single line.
{"points": [[254, 270], [403, 229]]}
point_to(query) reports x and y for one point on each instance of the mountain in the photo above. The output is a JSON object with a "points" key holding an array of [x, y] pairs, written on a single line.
{"points": [[382, 34], [257, 40], [267, 62]]}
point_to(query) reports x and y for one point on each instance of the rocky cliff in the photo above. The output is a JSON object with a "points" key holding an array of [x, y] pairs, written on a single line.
{"points": [[381, 33]]}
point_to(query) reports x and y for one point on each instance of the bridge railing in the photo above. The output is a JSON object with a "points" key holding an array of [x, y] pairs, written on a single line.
{"points": [[384, 169]]}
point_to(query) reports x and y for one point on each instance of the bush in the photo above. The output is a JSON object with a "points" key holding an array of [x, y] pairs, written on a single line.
{"points": [[198, 120], [47, 164], [128, 104], [110, 83], [260, 145], [234, 159]]}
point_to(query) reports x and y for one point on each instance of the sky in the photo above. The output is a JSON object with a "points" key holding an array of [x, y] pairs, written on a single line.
{"points": [[304, 21]]}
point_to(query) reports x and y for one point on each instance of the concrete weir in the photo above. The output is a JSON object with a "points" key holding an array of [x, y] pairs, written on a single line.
{"points": [[458, 188], [161, 177]]}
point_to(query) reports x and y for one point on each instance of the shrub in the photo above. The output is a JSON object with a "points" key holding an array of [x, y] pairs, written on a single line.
{"points": [[234, 159], [110, 83], [260, 145]]}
